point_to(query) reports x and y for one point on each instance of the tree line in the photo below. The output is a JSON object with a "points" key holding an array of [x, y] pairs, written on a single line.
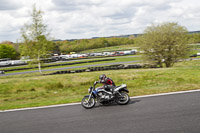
{"points": [[86, 44]]}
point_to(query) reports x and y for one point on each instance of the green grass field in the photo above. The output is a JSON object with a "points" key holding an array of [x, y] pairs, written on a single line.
{"points": [[32, 90]]}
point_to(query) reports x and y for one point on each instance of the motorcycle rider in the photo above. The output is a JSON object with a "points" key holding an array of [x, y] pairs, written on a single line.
{"points": [[108, 83]]}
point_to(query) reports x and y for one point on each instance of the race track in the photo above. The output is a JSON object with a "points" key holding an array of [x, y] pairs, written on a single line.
{"points": [[177, 113]]}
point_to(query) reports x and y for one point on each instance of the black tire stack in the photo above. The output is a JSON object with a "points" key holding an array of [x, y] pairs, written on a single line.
{"points": [[105, 68]]}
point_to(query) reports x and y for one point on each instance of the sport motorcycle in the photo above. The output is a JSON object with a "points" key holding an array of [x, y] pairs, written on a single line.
{"points": [[117, 95]]}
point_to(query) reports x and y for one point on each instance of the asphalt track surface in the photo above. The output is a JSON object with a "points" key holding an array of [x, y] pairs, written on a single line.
{"points": [[177, 113]]}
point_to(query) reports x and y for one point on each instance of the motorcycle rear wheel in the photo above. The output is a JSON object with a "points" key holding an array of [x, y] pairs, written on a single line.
{"points": [[123, 99], [88, 104]]}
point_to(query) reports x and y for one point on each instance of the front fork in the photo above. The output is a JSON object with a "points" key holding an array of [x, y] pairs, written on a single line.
{"points": [[89, 97]]}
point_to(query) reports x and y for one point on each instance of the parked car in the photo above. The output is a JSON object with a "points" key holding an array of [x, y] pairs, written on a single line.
{"points": [[74, 55], [121, 52], [1, 72], [98, 54], [106, 53], [17, 62], [84, 55], [127, 52], [5, 63], [79, 56], [55, 57], [65, 57], [194, 55], [91, 54]]}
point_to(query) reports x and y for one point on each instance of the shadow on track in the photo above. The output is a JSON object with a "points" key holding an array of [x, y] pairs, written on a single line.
{"points": [[133, 101], [115, 104]]}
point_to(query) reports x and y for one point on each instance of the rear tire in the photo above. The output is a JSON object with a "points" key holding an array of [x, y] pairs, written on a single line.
{"points": [[124, 99], [88, 104]]}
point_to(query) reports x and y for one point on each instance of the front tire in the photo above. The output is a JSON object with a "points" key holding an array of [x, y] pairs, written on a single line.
{"points": [[123, 99], [88, 104]]}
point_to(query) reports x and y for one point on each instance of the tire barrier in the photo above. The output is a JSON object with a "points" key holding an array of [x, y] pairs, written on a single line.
{"points": [[134, 66], [64, 64], [111, 67], [149, 66]]}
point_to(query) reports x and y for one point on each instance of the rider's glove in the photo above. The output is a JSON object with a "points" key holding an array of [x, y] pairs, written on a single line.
{"points": [[96, 82]]}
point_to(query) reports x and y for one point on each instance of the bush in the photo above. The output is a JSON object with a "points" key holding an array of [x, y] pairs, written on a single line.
{"points": [[7, 51]]}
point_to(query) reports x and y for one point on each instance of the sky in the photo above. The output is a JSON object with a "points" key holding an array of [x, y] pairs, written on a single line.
{"points": [[80, 19]]}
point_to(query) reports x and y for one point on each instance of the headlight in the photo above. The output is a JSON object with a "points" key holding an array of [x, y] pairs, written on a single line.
{"points": [[90, 90]]}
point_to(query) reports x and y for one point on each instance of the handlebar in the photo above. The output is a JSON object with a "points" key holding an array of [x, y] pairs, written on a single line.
{"points": [[95, 83]]}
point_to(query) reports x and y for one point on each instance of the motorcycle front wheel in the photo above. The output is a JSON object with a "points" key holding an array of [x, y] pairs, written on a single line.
{"points": [[123, 99], [88, 104]]}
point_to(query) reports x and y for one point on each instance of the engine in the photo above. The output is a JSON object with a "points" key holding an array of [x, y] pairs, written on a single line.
{"points": [[104, 95]]}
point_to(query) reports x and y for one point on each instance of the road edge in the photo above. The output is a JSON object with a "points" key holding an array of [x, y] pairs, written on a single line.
{"points": [[70, 104]]}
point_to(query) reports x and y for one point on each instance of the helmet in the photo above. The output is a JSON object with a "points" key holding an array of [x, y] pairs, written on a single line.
{"points": [[102, 77]]}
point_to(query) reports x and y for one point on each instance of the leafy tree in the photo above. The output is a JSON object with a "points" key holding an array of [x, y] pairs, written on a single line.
{"points": [[165, 43], [7, 51], [35, 42]]}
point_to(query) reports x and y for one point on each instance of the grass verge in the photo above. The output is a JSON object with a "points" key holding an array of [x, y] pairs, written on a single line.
{"points": [[34, 90]]}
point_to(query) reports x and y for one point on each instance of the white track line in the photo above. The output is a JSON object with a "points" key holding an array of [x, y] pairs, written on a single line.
{"points": [[135, 97], [164, 94], [42, 107]]}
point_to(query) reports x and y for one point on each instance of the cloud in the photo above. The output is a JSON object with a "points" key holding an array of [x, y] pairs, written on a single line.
{"points": [[113, 17], [73, 5], [67, 19], [9, 5]]}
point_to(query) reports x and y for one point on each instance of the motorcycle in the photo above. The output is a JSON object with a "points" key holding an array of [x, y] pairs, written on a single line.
{"points": [[118, 95]]}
